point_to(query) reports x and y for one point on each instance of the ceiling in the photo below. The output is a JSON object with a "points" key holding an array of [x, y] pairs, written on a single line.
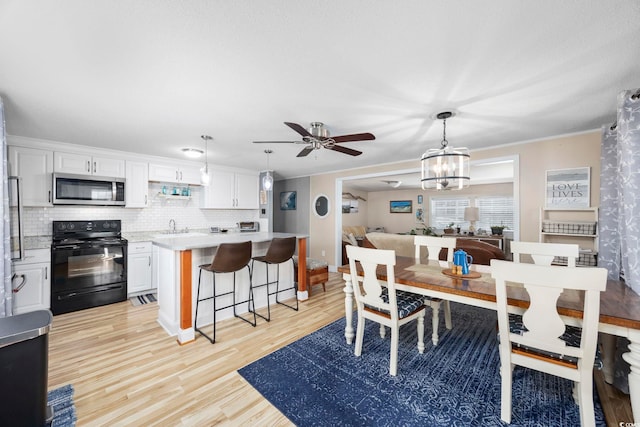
{"points": [[152, 76]]}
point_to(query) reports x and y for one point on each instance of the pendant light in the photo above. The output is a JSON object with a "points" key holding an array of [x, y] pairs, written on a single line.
{"points": [[445, 168], [204, 171], [267, 179]]}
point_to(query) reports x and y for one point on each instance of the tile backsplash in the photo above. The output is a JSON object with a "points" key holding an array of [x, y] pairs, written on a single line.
{"points": [[186, 213]]}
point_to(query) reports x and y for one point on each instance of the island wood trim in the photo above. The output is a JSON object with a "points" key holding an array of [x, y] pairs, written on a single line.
{"points": [[302, 265], [185, 290]]}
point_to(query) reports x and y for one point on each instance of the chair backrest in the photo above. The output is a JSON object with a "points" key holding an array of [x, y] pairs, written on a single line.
{"points": [[230, 257], [434, 245], [544, 253], [544, 284], [367, 289], [280, 250]]}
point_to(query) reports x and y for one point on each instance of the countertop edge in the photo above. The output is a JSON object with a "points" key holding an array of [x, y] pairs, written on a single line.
{"points": [[211, 241]]}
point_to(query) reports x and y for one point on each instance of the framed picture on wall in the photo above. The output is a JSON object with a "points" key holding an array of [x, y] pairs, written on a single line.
{"points": [[568, 188], [419, 199], [400, 206], [288, 201]]}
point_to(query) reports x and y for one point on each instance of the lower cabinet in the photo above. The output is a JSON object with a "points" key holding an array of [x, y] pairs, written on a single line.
{"points": [[139, 266], [31, 281]]}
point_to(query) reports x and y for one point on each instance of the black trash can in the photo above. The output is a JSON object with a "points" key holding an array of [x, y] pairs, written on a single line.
{"points": [[24, 361]]}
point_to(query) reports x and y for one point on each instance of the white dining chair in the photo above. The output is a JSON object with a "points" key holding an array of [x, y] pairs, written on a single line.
{"points": [[434, 245], [545, 343], [380, 301], [544, 253]]}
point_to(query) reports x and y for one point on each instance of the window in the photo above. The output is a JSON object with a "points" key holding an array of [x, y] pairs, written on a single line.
{"points": [[494, 210], [445, 211]]}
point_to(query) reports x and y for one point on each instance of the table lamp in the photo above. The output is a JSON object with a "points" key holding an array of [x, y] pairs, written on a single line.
{"points": [[471, 214]]}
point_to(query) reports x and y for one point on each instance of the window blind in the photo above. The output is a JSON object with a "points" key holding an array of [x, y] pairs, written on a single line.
{"points": [[497, 210], [445, 211]]}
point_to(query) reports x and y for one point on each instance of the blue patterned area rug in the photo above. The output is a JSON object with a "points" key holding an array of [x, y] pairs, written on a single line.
{"points": [[318, 381], [64, 411]]}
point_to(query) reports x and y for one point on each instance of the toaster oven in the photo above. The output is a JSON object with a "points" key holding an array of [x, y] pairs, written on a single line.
{"points": [[249, 226]]}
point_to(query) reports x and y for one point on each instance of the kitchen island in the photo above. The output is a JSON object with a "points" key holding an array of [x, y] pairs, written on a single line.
{"points": [[176, 261]]}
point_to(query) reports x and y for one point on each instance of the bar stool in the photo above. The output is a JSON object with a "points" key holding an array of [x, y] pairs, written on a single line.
{"points": [[229, 258], [281, 249]]}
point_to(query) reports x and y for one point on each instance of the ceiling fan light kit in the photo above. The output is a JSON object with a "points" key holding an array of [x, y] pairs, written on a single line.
{"points": [[445, 168], [204, 171], [317, 136]]}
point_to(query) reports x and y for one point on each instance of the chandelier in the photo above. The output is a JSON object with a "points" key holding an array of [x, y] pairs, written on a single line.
{"points": [[445, 168]]}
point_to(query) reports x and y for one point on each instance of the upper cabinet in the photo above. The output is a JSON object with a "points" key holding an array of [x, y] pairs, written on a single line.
{"points": [[35, 167], [84, 164], [137, 185], [231, 190], [179, 174]]}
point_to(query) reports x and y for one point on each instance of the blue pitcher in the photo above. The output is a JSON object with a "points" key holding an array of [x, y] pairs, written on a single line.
{"points": [[462, 259]]}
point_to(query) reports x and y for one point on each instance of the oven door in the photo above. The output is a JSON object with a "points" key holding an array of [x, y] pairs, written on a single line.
{"points": [[87, 275]]}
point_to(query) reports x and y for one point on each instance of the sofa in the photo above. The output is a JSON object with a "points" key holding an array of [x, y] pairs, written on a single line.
{"points": [[351, 234], [481, 252]]}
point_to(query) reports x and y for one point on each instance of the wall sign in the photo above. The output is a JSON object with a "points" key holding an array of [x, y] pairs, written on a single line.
{"points": [[568, 188]]}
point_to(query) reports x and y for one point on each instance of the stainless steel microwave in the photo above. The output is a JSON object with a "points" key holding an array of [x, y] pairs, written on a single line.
{"points": [[70, 189]]}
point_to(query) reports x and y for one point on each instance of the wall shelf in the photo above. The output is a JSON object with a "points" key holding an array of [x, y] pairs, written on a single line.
{"points": [[575, 226], [172, 197]]}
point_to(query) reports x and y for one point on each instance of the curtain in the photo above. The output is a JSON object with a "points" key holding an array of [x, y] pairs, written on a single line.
{"points": [[619, 245], [619, 252], [5, 251]]}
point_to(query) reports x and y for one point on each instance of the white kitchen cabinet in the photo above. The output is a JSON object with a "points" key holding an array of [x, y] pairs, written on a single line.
{"points": [[35, 167], [181, 174], [137, 185], [85, 164], [231, 190], [139, 268], [31, 281], [247, 191]]}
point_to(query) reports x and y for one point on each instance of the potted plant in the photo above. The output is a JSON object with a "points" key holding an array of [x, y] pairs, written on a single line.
{"points": [[496, 230], [449, 229]]}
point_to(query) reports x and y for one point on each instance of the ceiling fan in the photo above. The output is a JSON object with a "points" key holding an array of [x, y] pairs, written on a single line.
{"points": [[318, 136]]}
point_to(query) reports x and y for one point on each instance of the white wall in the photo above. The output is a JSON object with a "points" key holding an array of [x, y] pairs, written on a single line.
{"points": [[535, 157], [378, 205], [37, 221]]}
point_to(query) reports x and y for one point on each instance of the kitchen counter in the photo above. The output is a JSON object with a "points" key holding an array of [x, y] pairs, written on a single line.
{"points": [[193, 240], [32, 242], [176, 259], [148, 236]]}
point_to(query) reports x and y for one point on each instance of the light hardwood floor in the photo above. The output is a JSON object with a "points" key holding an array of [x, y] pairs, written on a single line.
{"points": [[127, 371]]}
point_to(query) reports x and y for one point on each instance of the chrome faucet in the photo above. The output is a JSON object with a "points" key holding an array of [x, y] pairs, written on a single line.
{"points": [[172, 225]]}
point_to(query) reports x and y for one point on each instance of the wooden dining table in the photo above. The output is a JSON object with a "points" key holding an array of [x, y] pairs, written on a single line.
{"points": [[619, 306]]}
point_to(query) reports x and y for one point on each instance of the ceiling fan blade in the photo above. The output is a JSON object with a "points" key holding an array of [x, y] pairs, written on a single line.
{"points": [[302, 131], [345, 150], [275, 142], [354, 137], [305, 152]]}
